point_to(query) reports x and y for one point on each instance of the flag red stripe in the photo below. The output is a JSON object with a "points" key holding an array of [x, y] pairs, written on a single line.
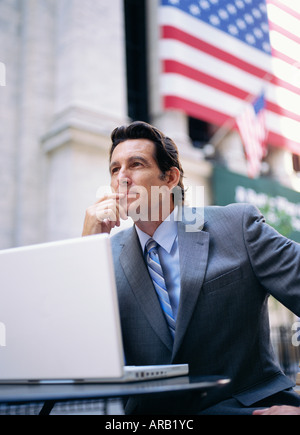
{"points": [[281, 111], [172, 66], [195, 110], [283, 57], [278, 82], [282, 142], [284, 32], [170, 32], [219, 118]]}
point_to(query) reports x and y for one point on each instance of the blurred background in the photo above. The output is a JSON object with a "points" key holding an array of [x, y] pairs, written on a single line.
{"points": [[221, 77]]}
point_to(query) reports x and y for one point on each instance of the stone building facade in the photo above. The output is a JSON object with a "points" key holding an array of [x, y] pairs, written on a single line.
{"points": [[65, 90]]}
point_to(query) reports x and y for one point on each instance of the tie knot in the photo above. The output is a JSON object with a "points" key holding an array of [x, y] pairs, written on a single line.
{"points": [[151, 245]]}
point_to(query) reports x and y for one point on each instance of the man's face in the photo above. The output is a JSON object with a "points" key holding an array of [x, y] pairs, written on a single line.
{"points": [[134, 172]]}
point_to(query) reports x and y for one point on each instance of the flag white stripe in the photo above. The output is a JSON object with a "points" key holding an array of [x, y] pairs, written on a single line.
{"points": [[283, 19], [284, 44]]}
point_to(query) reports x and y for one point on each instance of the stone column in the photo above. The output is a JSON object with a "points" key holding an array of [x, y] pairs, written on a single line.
{"points": [[90, 101], [28, 107], [9, 55]]}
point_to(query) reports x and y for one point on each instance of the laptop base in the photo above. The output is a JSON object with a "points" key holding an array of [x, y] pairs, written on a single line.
{"points": [[131, 374]]}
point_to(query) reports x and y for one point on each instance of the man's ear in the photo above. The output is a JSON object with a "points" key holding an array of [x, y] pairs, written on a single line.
{"points": [[172, 177]]}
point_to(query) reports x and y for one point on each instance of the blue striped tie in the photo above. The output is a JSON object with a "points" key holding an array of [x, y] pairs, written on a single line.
{"points": [[156, 274]]}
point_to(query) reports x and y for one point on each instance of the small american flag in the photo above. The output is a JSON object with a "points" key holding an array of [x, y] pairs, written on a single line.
{"points": [[252, 126], [217, 54]]}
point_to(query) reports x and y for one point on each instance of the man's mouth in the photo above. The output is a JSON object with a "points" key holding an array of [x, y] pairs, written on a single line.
{"points": [[132, 195], [129, 196]]}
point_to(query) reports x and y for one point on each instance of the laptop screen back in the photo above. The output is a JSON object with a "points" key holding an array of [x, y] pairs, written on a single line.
{"points": [[59, 315]]}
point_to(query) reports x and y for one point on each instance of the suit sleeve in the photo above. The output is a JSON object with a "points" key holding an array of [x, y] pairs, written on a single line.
{"points": [[274, 259]]}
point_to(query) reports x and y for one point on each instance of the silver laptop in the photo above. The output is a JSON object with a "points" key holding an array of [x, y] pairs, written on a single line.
{"points": [[59, 316]]}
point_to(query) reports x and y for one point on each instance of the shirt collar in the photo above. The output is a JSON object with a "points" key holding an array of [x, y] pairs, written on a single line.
{"points": [[165, 234]]}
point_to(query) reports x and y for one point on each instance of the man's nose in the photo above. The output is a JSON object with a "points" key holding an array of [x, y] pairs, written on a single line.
{"points": [[123, 178], [124, 181]]}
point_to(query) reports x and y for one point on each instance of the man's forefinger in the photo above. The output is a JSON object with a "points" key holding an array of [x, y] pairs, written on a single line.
{"points": [[110, 196]]}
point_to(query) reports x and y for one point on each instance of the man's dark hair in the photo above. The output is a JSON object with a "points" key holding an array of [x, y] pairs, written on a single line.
{"points": [[166, 154]]}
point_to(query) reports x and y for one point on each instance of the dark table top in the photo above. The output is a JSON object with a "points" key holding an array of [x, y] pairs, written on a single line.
{"points": [[26, 393]]}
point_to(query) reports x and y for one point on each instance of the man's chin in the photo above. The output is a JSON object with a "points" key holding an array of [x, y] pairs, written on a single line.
{"points": [[136, 213]]}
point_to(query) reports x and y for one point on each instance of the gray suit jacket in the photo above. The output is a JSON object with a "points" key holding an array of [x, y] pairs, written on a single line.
{"points": [[228, 269]]}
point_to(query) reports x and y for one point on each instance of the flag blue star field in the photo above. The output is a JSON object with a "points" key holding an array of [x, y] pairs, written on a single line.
{"points": [[219, 55]]}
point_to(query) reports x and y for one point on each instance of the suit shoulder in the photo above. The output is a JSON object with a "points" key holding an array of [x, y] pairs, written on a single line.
{"points": [[232, 214], [236, 209]]}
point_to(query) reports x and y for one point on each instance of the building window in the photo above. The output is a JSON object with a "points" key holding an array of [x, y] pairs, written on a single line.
{"points": [[136, 57], [199, 132], [296, 163]]}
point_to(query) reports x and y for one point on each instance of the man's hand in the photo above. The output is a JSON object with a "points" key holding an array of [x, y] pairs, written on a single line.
{"points": [[104, 215], [278, 410]]}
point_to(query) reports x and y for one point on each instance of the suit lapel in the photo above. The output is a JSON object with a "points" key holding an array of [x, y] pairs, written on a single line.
{"points": [[135, 270], [193, 252]]}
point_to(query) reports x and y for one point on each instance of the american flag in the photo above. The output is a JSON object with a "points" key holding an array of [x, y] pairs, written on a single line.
{"points": [[252, 126], [217, 55]]}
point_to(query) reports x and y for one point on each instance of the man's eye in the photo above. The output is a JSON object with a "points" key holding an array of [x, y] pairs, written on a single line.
{"points": [[114, 170]]}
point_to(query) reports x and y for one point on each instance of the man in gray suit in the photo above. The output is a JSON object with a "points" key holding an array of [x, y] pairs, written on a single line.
{"points": [[205, 304]]}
